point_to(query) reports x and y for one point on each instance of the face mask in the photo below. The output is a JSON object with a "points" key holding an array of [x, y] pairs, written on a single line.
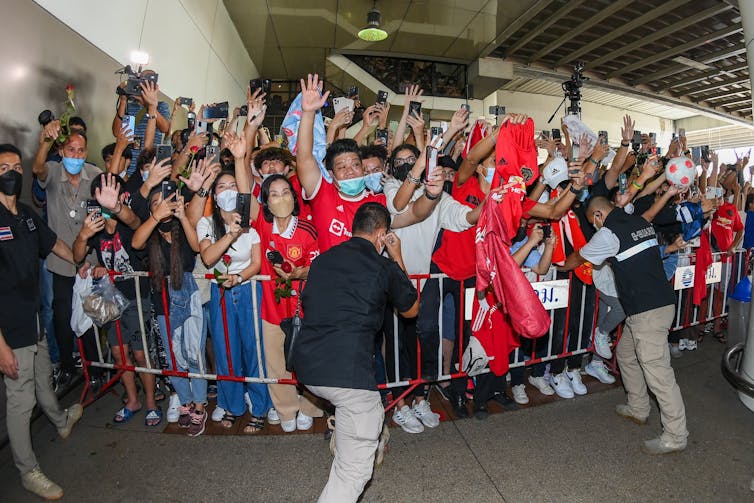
{"points": [[490, 174], [145, 175], [730, 198], [629, 208], [11, 182], [226, 200], [400, 171], [166, 227], [281, 208], [72, 165], [265, 177], [373, 182], [594, 222], [352, 186]]}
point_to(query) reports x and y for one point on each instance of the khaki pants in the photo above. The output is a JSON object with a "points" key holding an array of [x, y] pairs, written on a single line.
{"points": [[285, 397], [33, 385], [644, 360], [358, 422]]}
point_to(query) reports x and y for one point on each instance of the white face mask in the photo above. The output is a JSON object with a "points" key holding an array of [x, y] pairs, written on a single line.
{"points": [[226, 200], [730, 198], [145, 175]]}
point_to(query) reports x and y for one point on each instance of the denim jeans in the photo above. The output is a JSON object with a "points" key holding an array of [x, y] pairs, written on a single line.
{"points": [[243, 329], [45, 310]]}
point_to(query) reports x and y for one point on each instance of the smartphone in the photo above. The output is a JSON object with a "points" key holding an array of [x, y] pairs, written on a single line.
{"points": [[382, 135], [128, 122], [546, 230], [217, 111], [603, 137], [431, 162], [652, 138], [497, 110], [682, 132], [545, 134], [93, 208], [168, 188], [201, 127], [243, 208], [353, 92], [467, 107], [435, 131], [636, 140], [556, 134], [415, 108], [622, 183], [212, 154], [191, 121], [342, 104], [163, 152], [274, 256], [381, 97], [221, 127], [658, 151], [705, 153], [264, 84], [186, 101], [696, 155]]}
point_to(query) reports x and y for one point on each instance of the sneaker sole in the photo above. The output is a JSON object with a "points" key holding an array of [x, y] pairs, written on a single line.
{"points": [[545, 392], [645, 450], [633, 419], [53, 497], [596, 376]]}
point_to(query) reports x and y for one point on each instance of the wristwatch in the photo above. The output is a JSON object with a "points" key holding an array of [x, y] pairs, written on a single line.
{"points": [[149, 116], [202, 192], [240, 278]]}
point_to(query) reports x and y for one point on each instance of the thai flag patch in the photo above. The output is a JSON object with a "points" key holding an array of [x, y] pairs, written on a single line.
{"points": [[6, 234]]}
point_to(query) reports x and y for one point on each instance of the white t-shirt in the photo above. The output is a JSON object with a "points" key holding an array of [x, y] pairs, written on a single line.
{"points": [[240, 251]]}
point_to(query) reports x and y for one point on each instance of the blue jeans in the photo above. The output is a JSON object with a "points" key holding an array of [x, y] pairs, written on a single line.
{"points": [[243, 330], [45, 310]]}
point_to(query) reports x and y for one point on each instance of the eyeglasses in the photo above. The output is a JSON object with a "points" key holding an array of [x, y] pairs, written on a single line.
{"points": [[404, 160]]}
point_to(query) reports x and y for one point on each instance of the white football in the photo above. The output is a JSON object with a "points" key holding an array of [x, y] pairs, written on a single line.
{"points": [[680, 171]]}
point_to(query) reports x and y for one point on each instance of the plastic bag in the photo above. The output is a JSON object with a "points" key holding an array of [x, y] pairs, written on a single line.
{"points": [[105, 303]]}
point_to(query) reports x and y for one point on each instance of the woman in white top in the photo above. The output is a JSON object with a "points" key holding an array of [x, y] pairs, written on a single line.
{"points": [[234, 253]]}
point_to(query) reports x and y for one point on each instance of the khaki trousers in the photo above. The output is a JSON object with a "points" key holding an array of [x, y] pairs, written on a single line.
{"points": [[33, 385], [285, 397], [358, 422], [644, 360]]}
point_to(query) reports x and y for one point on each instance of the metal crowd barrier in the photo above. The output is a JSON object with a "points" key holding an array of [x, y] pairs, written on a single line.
{"points": [[570, 334]]}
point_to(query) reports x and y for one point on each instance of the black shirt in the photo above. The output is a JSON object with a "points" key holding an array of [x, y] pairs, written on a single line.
{"points": [[344, 305], [114, 251], [24, 239]]}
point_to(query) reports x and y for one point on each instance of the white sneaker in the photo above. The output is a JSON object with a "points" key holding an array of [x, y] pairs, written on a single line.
{"points": [[562, 385], [406, 419], [574, 376], [599, 371], [37, 482], [173, 412], [288, 426], [273, 417], [682, 344], [217, 414], [304, 422], [72, 415], [542, 385], [690, 344], [423, 413], [675, 351], [602, 344], [519, 394]]}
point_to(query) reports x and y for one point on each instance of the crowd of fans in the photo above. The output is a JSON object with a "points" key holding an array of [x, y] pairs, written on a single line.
{"points": [[178, 215]]}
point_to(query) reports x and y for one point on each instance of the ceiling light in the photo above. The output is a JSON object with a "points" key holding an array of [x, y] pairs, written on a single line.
{"points": [[691, 63], [372, 32], [139, 58]]}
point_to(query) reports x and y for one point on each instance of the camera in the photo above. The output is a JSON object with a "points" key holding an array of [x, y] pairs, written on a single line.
{"points": [[572, 88], [134, 82], [497, 110], [264, 84], [546, 230], [45, 117]]}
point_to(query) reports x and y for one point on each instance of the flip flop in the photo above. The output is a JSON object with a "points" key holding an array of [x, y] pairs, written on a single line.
{"points": [[124, 415], [152, 416]]}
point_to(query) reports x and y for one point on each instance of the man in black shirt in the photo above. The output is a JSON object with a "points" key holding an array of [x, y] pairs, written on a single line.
{"points": [[344, 303], [24, 358]]}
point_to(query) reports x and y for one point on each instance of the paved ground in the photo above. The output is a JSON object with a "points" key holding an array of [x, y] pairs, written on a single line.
{"points": [[576, 451]]}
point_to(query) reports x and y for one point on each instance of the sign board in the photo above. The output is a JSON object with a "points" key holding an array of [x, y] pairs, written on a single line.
{"points": [[552, 295], [684, 276]]}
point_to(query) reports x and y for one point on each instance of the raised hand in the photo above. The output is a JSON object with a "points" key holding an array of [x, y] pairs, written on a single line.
{"points": [[342, 118], [412, 93], [166, 208], [50, 132], [627, 130], [513, 118], [416, 124], [92, 225], [196, 179], [460, 120], [311, 97], [237, 145], [107, 194], [158, 172], [150, 94]]}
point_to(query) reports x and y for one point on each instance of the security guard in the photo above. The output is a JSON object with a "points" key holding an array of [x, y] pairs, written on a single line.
{"points": [[629, 243], [24, 358]]}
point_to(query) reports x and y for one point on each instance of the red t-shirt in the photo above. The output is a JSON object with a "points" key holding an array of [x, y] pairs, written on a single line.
{"points": [[304, 210], [725, 223], [298, 246], [332, 214], [455, 256]]}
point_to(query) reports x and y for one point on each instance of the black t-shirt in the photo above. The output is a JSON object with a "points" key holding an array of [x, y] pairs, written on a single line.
{"points": [[24, 239], [344, 305], [114, 251]]}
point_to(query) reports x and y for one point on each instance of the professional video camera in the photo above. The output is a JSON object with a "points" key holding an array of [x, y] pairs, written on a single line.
{"points": [[135, 80], [572, 88]]}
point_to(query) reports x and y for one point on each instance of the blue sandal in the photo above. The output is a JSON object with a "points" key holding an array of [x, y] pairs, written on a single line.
{"points": [[152, 416], [124, 415]]}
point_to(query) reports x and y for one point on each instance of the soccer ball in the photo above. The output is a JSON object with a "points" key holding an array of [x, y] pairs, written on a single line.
{"points": [[680, 171]]}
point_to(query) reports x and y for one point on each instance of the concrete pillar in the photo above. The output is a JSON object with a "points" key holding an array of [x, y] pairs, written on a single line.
{"points": [[746, 7]]}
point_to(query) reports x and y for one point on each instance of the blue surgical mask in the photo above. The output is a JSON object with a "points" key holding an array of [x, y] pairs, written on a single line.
{"points": [[73, 165], [373, 182], [352, 186], [490, 175], [145, 175]]}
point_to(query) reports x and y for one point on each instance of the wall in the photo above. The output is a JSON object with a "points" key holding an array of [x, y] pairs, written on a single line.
{"points": [[192, 44]]}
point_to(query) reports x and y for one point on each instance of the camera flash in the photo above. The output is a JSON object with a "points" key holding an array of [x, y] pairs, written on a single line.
{"points": [[139, 58]]}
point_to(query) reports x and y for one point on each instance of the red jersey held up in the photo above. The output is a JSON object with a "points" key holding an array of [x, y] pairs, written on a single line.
{"points": [[725, 223]]}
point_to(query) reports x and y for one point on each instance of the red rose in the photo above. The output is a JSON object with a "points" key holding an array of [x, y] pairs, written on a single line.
{"points": [[69, 87], [286, 267], [194, 149], [226, 260]]}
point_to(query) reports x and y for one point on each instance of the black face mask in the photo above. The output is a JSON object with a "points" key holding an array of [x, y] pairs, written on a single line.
{"points": [[11, 183], [166, 227], [400, 171], [448, 187]]}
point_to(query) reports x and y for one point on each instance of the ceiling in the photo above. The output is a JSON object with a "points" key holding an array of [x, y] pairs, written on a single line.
{"points": [[670, 58]]}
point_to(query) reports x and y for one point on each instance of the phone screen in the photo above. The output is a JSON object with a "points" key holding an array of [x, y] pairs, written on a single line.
{"points": [[219, 111], [243, 208], [128, 123], [415, 108], [431, 162], [381, 97], [163, 152]]}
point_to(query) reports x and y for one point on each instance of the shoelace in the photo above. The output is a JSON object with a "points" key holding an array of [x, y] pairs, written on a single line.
{"points": [[40, 477]]}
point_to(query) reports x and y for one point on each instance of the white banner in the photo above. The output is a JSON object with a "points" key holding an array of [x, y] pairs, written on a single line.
{"points": [[684, 276], [552, 294]]}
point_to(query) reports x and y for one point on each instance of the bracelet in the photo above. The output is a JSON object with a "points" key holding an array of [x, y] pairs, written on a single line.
{"points": [[155, 219], [120, 208], [590, 159], [411, 179], [625, 143], [202, 192], [431, 197], [638, 186], [574, 190]]}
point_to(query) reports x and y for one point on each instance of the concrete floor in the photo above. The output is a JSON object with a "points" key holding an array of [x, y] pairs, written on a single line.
{"points": [[570, 450]]}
